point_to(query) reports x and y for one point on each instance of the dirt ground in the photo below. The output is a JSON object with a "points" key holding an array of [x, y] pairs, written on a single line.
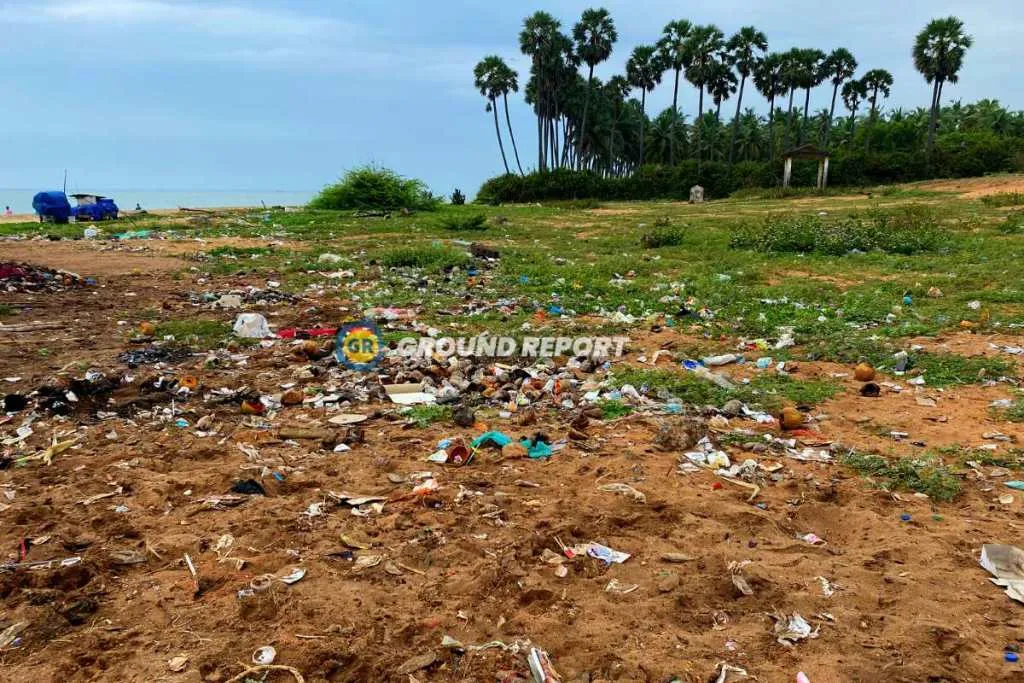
{"points": [[891, 599], [972, 188]]}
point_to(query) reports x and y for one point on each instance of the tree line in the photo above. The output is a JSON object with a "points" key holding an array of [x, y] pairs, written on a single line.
{"points": [[584, 123]]}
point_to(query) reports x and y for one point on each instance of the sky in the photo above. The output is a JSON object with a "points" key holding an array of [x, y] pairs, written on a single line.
{"points": [[286, 95]]}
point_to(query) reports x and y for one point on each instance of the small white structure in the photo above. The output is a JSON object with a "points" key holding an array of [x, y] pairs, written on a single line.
{"points": [[696, 194], [807, 151]]}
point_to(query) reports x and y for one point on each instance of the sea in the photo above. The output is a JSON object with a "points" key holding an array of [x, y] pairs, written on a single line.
{"points": [[20, 199]]}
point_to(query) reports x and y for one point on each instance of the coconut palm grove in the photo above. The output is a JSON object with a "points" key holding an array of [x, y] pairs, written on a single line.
{"points": [[593, 134]]}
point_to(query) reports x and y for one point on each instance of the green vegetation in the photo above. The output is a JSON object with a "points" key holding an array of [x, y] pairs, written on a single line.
{"points": [[1013, 225], [612, 409], [470, 223], [1004, 199], [604, 126], [1014, 413], [426, 415], [370, 188], [204, 334], [908, 231], [434, 257], [663, 234], [768, 390], [926, 474]]}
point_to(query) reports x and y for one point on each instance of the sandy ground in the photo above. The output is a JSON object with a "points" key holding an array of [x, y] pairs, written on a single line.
{"points": [[909, 601], [972, 188]]}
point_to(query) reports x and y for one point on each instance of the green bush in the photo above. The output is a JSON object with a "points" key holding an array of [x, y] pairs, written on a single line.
{"points": [[908, 230], [372, 188], [433, 257], [458, 199], [464, 223], [663, 234]]}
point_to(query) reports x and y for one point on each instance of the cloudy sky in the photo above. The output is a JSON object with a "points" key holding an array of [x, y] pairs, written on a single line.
{"points": [[284, 95]]}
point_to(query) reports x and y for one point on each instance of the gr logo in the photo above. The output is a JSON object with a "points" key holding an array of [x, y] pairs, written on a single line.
{"points": [[359, 346]]}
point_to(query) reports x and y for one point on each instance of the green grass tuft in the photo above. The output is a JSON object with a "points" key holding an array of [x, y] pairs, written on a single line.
{"points": [[925, 474]]}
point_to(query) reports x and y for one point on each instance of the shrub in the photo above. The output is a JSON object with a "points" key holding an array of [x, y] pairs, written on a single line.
{"points": [[663, 234], [908, 230], [1004, 199], [373, 188], [458, 199], [432, 257], [464, 223]]}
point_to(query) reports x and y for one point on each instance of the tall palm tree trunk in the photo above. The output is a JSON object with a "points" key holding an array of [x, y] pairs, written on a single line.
{"points": [[700, 126], [853, 123], [540, 142], [789, 120], [497, 131], [803, 125], [933, 119], [736, 122], [508, 122], [831, 113], [675, 121], [871, 122], [771, 127], [643, 120], [583, 125]]}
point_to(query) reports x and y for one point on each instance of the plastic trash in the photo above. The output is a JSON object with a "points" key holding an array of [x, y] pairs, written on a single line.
{"points": [[251, 326], [725, 359]]}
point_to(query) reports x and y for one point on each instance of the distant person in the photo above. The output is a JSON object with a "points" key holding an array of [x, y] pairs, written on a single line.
{"points": [[7, 211]]}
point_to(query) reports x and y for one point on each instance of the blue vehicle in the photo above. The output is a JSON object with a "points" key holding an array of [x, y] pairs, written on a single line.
{"points": [[52, 207], [94, 207]]}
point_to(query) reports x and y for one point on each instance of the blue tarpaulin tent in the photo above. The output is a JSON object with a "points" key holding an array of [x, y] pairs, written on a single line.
{"points": [[53, 206]]}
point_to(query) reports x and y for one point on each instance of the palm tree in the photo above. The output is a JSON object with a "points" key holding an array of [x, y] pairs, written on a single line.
{"points": [[510, 83], [791, 78], [594, 35], [939, 54], [701, 47], [839, 66], [644, 70], [616, 90], [536, 40], [744, 48], [876, 81], [672, 50], [721, 83], [810, 75], [854, 92], [489, 80], [768, 81]]}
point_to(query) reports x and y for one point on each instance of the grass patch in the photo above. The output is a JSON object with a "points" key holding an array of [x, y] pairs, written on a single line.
{"points": [[909, 230], [1004, 199], [1013, 224], [663, 234], [768, 390], [471, 223], [426, 415], [1015, 413], [612, 409], [944, 369], [205, 334], [240, 252], [427, 257], [925, 474]]}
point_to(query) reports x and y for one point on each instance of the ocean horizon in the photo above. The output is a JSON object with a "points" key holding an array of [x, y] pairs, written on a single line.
{"points": [[20, 199]]}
